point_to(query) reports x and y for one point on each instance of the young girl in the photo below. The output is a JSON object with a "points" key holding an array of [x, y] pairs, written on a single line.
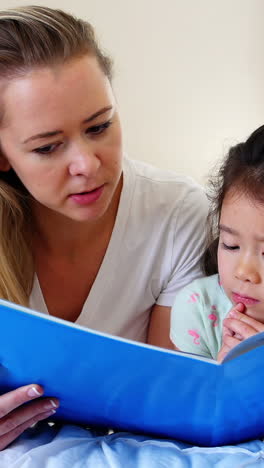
{"points": [[202, 322]]}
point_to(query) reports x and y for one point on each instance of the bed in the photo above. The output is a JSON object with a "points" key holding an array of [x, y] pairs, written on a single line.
{"points": [[70, 446]]}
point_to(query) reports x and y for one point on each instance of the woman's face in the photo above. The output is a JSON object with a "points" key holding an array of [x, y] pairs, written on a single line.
{"points": [[61, 135]]}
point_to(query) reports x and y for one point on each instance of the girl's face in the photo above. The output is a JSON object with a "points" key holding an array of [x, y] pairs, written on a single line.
{"points": [[61, 135], [241, 252]]}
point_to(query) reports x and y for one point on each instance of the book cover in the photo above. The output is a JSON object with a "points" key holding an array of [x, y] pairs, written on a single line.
{"points": [[108, 381]]}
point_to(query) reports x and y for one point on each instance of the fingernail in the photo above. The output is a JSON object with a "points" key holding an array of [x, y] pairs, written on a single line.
{"points": [[33, 392], [51, 404], [49, 413], [233, 313]]}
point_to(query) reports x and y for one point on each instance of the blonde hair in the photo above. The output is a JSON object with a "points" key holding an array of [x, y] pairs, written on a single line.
{"points": [[32, 36]]}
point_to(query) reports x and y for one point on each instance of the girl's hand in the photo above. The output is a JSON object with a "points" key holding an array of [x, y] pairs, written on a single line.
{"points": [[242, 325], [230, 338], [15, 418]]}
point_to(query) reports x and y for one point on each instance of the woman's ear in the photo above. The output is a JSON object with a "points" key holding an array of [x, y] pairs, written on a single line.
{"points": [[4, 163]]}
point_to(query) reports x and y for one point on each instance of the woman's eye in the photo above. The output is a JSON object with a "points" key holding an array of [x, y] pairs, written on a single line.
{"points": [[97, 129], [230, 247], [46, 149]]}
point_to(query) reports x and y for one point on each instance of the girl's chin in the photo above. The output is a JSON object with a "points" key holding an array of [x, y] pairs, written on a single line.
{"points": [[254, 314]]}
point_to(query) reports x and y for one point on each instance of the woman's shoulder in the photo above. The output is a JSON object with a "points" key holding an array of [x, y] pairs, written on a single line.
{"points": [[163, 185], [147, 172]]}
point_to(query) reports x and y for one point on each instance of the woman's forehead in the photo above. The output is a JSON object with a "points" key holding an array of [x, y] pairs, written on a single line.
{"points": [[77, 86]]}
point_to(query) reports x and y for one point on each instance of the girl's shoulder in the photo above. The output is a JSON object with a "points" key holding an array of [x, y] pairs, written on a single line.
{"points": [[206, 291], [204, 283]]}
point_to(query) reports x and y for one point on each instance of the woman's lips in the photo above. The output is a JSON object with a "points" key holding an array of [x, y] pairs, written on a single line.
{"points": [[85, 198], [246, 300]]}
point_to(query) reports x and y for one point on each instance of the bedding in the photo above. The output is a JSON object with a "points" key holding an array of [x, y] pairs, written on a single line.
{"points": [[70, 446]]}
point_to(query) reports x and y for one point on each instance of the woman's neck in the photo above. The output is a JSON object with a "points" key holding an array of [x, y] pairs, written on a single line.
{"points": [[63, 237]]}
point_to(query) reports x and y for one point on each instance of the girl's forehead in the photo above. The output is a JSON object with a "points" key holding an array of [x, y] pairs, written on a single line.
{"points": [[238, 196], [240, 207]]}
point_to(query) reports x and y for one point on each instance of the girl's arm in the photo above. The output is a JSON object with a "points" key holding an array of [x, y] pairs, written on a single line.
{"points": [[187, 330]]}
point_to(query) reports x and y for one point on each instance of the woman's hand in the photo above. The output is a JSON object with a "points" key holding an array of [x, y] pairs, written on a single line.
{"points": [[237, 327], [15, 419]]}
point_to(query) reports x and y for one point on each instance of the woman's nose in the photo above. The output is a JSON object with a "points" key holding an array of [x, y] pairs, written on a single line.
{"points": [[83, 162]]}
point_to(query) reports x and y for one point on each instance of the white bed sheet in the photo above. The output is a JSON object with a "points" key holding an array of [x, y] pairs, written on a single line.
{"points": [[70, 446]]}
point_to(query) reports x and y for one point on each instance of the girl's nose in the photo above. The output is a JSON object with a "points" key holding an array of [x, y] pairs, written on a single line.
{"points": [[247, 271]]}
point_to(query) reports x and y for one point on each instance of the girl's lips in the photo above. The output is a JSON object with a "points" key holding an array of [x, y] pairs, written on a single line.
{"points": [[244, 299], [86, 198]]}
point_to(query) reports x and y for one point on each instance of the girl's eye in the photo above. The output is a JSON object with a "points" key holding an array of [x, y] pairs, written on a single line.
{"points": [[46, 149], [97, 129], [230, 247]]}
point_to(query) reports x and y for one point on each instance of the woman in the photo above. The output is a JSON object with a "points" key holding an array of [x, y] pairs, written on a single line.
{"points": [[86, 235]]}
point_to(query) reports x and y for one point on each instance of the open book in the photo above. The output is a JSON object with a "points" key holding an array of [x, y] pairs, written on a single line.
{"points": [[107, 381]]}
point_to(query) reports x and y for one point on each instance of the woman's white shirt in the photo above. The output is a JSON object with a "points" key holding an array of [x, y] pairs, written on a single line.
{"points": [[153, 252]]}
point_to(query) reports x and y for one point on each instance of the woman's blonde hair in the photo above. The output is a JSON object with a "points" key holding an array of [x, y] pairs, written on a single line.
{"points": [[32, 36]]}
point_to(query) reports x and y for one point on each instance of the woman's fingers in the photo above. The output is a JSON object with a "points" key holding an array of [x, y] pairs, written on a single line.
{"points": [[23, 414], [16, 416], [11, 400], [9, 437]]}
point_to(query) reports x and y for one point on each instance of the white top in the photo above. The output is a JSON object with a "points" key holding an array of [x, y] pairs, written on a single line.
{"points": [[154, 251]]}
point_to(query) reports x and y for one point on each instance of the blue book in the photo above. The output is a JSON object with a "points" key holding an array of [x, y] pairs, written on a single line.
{"points": [[108, 381]]}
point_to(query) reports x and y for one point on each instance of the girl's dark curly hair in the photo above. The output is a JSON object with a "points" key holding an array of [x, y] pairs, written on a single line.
{"points": [[241, 172]]}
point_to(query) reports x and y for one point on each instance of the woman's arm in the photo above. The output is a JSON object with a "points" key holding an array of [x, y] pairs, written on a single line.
{"points": [[159, 327], [183, 261]]}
